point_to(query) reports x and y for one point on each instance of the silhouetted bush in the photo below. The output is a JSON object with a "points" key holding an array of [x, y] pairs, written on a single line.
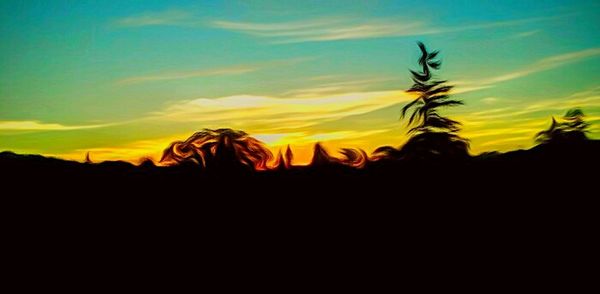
{"points": [[572, 128], [219, 149]]}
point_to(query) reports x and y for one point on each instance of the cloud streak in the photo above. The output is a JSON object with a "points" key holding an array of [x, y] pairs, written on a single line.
{"points": [[221, 71], [329, 85], [179, 75], [541, 65], [324, 30], [263, 114], [31, 125], [546, 64], [163, 18], [333, 28], [501, 128], [525, 34], [338, 28]]}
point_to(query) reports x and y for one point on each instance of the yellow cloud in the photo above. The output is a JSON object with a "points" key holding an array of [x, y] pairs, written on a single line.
{"points": [[300, 122], [132, 152], [272, 113], [498, 144], [31, 125], [334, 85]]}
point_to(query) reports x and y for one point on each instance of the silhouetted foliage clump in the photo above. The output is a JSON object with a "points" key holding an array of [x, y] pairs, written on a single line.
{"points": [[572, 128], [282, 161], [321, 157], [354, 157], [219, 149], [433, 135]]}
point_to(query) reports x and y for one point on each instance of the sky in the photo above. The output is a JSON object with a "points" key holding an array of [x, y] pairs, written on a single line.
{"points": [[123, 79]]}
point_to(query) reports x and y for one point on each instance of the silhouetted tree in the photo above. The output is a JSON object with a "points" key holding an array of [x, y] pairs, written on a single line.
{"points": [[219, 149], [432, 134], [572, 129]]}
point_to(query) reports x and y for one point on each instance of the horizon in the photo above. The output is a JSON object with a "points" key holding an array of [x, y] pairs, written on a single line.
{"points": [[124, 80]]}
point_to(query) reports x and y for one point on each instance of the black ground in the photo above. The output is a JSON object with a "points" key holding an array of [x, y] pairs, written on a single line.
{"points": [[520, 213]]}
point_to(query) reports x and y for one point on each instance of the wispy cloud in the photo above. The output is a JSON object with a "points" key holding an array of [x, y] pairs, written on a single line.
{"points": [[516, 123], [178, 75], [163, 18], [304, 138], [31, 125], [546, 64], [262, 113], [523, 110], [221, 71], [330, 84], [280, 121], [134, 151], [331, 28], [525, 34], [541, 65], [489, 100], [505, 23], [339, 28], [499, 142], [320, 30]]}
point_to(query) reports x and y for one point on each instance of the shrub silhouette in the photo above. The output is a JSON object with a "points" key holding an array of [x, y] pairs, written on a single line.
{"points": [[385, 152], [432, 134], [284, 161], [321, 157], [289, 157], [572, 129], [354, 157], [219, 149]]}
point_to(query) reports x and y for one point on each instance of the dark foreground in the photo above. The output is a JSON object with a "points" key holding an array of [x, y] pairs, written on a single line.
{"points": [[538, 180], [524, 213], [568, 170]]}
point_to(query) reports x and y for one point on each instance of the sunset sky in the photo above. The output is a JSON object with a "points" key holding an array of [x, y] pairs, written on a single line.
{"points": [[122, 79]]}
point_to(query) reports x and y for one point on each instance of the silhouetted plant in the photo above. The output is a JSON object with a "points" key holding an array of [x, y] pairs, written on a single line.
{"points": [[432, 134], [289, 157], [280, 161], [572, 129], [354, 157], [385, 152], [321, 157], [219, 149], [284, 162]]}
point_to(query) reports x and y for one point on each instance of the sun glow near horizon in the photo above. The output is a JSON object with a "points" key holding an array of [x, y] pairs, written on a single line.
{"points": [[485, 132], [123, 80]]}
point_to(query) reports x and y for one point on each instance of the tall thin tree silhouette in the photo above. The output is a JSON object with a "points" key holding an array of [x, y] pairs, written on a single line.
{"points": [[572, 128], [431, 133]]}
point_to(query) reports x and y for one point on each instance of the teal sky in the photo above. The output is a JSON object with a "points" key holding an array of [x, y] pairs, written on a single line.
{"points": [[123, 78]]}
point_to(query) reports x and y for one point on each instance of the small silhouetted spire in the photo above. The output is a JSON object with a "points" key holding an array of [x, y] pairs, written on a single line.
{"points": [[289, 157]]}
